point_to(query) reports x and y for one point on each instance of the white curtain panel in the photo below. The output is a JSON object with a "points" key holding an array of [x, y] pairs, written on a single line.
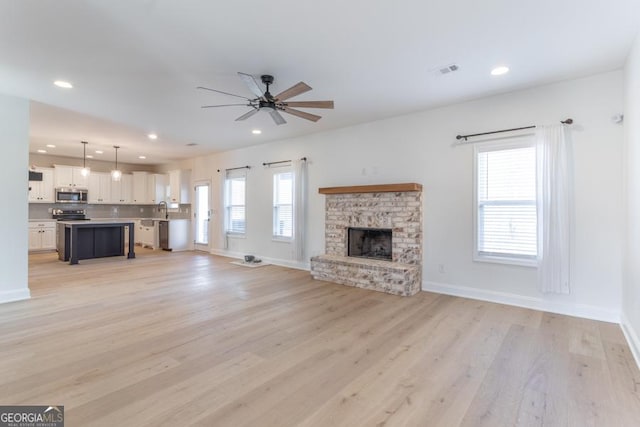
{"points": [[300, 207], [553, 166]]}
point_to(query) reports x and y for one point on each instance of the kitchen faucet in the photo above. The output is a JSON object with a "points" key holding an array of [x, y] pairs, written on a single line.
{"points": [[162, 204]]}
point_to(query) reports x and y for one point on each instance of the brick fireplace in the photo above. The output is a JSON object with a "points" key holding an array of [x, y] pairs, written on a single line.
{"points": [[380, 226]]}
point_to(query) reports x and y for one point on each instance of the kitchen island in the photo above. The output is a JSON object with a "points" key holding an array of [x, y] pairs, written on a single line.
{"points": [[89, 239]]}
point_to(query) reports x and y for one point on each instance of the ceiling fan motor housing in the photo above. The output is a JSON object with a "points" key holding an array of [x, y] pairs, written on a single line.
{"points": [[267, 105]]}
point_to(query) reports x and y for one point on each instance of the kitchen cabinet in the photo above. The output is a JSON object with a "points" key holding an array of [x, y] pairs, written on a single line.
{"points": [[99, 188], [121, 191], [140, 193], [146, 233], [70, 176], [92, 239], [157, 188], [42, 191], [179, 186], [149, 188], [42, 235]]}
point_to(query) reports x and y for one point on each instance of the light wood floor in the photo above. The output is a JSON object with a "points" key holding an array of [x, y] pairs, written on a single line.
{"points": [[182, 339]]}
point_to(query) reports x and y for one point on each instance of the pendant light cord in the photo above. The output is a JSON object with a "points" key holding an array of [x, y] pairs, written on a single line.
{"points": [[84, 154]]}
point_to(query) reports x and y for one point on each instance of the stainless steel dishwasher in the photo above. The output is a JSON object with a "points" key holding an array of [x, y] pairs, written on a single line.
{"points": [[163, 235]]}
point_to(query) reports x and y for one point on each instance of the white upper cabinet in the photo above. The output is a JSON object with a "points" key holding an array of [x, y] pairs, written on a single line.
{"points": [[99, 187], [42, 191], [179, 185], [157, 188], [70, 176], [122, 191], [140, 194]]}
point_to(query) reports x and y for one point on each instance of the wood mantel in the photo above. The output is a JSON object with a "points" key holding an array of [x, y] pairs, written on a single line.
{"points": [[380, 188]]}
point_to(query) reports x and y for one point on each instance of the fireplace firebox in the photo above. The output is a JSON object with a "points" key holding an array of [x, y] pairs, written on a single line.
{"points": [[372, 243]]}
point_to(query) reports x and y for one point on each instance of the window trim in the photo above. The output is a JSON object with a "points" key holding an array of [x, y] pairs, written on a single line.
{"points": [[228, 206], [520, 141], [275, 237]]}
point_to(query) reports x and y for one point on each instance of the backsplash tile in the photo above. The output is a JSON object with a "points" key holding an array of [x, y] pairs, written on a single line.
{"points": [[43, 211]]}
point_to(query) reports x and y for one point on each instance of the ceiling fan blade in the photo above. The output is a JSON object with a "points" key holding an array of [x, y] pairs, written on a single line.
{"points": [[294, 90], [225, 93], [302, 114], [251, 84], [310, 104], [247, 115], [223, 105], [277, 117]]}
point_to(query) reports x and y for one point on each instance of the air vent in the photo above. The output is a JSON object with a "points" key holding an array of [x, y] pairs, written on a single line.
{"points": [[448, 69]]}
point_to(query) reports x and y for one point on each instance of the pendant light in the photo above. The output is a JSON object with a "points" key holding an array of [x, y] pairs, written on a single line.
{"points": [[85, 171], [116, 174]]}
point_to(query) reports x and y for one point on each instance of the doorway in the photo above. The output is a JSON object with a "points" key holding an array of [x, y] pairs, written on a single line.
{"points": [[202, 215]]}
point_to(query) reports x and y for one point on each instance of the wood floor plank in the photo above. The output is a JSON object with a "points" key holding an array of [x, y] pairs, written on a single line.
{"points": [[190, 339]]}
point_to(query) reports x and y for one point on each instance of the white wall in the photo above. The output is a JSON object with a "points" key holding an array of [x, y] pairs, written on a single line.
{"points": [[14, 139], [419, 148], [631, 281]]}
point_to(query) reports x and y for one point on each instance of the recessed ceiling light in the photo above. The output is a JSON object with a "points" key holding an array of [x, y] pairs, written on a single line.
{"points": [[51, 146], [152, 136], [99, 151], [42, 151], [142, 157], [63, 84], [498, 71], [89, 156], [256, 131]]}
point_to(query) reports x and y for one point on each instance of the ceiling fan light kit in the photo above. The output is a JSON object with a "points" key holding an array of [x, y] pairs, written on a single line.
{"points": [[273, 105]]}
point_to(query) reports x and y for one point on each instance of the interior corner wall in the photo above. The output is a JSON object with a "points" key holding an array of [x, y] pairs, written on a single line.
{"points": [[14, 137], [421, 147], [631, 278]]}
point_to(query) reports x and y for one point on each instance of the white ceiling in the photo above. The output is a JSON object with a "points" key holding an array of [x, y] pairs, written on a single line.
{"points": [[135, 64]]}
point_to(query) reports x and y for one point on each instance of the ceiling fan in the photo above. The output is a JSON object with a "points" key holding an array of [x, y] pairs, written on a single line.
{"points": [[273, 104]]}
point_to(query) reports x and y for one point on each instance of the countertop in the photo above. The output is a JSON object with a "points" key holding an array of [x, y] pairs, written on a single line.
{"points": [[111, 219], [96, 221]]}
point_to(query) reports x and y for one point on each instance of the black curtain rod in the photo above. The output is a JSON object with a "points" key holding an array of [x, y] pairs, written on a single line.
{"points": [[304, 159], [240, 167], [565, 122], [275, 163]]}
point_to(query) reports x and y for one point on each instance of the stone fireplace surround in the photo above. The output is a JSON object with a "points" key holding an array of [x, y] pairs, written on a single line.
{"points": [[393, 206]]}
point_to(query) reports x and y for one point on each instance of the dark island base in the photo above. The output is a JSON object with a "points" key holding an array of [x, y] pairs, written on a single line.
{"points": [[93, 240]]}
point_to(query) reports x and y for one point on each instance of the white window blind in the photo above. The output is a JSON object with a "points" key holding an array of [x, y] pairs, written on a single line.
{"points": [[235, 200], [283, 205], [506, 218]]}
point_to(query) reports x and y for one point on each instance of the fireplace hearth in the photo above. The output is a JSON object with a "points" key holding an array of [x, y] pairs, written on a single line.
{"points": [[372, 243]]}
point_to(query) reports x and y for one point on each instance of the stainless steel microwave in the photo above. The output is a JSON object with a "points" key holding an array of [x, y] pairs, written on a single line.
{"points": [[71, 195]]}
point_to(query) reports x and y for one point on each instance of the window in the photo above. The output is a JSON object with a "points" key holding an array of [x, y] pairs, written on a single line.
{"points": [[506, 217], [283, 205], [235, 221]]}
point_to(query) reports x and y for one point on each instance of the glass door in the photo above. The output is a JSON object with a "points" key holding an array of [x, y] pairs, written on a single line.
{"points": [[202, 216]]}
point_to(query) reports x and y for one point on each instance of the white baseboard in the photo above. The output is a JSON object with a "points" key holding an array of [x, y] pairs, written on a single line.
{"points": [[577, 310], [275, 261], [632, 337], [15, 295]]}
